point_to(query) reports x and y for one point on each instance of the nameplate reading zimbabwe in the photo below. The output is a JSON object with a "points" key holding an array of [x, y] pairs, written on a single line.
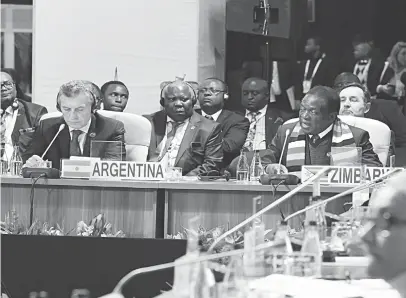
{"points": [[112, 170]]}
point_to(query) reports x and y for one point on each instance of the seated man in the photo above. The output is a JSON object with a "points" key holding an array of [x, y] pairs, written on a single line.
{"points": [[181, 137], [356, 101], [385, 234], [234, 127], [115, 96], [81, 127], [310, 140], [18, 117]]}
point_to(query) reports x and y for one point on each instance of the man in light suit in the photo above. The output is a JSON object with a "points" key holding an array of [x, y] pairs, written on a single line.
{"points": [[234, 127], [181, 137], [81, 127]]}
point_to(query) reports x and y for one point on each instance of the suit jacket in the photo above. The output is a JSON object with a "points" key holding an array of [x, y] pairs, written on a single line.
{"points": [[374, 73], [200, 151], [324, 76], [273, 153], [101, 129], [286, 73], [28, 117], [234, 130]]}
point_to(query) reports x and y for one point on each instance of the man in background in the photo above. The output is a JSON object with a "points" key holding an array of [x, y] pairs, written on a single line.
{"points": [[385, 234], [234, 127], [115, 96]]}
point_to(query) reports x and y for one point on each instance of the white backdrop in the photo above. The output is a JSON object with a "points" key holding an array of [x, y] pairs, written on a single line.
{"points": [[150, 41]]}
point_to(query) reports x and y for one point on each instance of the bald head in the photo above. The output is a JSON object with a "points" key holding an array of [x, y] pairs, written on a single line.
{"points": [[255, 94], [385, 234]]}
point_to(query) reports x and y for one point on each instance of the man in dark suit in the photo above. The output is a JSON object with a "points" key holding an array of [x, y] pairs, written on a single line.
{"points": [[367, 64], [386, 111], [79, 128], [263, 116], [234, 127], [311, 139], [18, 117], [181, 137], [318, 70]]}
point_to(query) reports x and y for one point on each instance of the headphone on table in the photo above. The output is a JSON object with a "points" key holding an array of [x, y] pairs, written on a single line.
{"points": [[164, 85]]}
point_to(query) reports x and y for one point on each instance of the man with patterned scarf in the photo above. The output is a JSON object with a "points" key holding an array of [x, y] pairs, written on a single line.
{"points": [[318, 130]]}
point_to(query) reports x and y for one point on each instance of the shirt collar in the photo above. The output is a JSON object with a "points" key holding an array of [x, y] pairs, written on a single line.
{"points": [[10, 110], [169, 119], [215, 115], [399, 284], [261, 111], [325, 132], [85, 128]]}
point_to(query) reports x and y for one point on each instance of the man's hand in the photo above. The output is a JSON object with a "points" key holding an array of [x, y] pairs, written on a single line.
{"points": [[34, 162]]}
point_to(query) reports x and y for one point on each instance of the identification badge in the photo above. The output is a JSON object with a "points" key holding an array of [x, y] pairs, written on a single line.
{"points": [[306, 86]]}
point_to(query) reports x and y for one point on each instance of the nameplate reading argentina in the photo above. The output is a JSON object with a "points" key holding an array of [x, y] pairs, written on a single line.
{"points": [[100, 169]]}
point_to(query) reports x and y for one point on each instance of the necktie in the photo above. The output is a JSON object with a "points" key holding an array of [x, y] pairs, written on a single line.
{"points": [[209, 117], [249, 143], [74, 148], [169, 138]]}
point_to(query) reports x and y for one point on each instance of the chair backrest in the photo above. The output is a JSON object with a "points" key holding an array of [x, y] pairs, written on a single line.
{"points": [[379, 133], [137, 132]]}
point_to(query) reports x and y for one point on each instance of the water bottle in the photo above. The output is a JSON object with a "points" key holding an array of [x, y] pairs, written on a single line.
{"points": [[321, 219], [3, 162], [256, 169], [16, 162], [242, 167], [311, 245], [282, 263]]}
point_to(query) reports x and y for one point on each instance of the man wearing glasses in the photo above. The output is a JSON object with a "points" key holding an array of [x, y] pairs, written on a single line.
{"points": [[234, 127], [385, 234], [309, 141], [18, 117], [181, 137]]}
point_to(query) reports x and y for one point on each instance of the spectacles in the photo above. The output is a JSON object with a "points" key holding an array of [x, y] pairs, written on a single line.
{"points": [[386, 221], [7, 84], [303, 110], [210, 90]]}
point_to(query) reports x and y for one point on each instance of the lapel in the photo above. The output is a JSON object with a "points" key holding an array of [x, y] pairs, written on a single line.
{"points": [[15, 135], [92, 135], [223, 116], [189, 136], [159, 121], [269, 120], [63, 139]]}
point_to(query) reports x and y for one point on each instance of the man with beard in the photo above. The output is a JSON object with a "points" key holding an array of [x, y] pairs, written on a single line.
{"points": [[181, 137], [234, 127], [19, 118]]}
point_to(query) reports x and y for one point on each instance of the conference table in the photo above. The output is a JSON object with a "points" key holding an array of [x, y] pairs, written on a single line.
{"points": [[152, 209]]}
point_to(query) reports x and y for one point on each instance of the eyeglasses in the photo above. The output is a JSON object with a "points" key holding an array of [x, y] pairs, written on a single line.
{"points": [[210, 90], [7, 85], [385, 222], [303, 110]]}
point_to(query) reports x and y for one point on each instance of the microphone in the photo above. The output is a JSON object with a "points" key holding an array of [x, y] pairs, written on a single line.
{"points": [[62, 126], [270, 206], [347, 192], [283, 149], [117, 292]]}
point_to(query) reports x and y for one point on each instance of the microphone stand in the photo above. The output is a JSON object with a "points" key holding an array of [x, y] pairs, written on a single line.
{"points": [[270, 206], [347, 192], [118, 288]]}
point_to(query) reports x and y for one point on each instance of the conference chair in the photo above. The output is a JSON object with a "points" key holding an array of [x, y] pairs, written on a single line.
{"points": [[137, 132], [379, 133]]}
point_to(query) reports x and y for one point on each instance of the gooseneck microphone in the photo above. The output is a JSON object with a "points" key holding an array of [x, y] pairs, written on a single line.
{"points": [[347, 192], [61, 127], [283, 149], [270, 206]]}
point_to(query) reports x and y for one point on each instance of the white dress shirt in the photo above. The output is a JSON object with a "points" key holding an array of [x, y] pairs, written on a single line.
{"points": [[9, 120], [324, 132], [169, 158], [259, 139], [275, 85], [82, 137], [215, 116]]}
